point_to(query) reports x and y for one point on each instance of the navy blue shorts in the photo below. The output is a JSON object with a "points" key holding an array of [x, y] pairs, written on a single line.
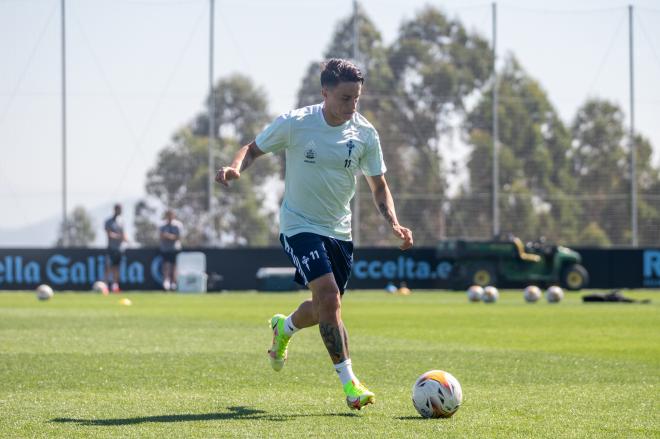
{"points": [[114, 256], [169, 256], [315, 255]]}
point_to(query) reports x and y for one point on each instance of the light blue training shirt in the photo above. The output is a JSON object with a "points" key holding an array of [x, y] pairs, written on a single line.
{"points": [[322, 163]]}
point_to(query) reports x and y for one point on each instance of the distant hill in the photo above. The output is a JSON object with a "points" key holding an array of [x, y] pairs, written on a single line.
{"points": [[44, 233]]}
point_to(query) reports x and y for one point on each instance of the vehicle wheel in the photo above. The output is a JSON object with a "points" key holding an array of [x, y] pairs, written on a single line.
{"points": [[483, 275], [574, 277]]}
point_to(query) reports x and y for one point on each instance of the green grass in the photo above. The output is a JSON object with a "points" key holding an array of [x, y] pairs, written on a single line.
{"points": [[81, 365]]}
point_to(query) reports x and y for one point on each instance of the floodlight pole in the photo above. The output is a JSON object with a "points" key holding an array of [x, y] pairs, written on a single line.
{"points": [[496, 164], [211, 169], [633, 147], [65, 228], [356, 198]]}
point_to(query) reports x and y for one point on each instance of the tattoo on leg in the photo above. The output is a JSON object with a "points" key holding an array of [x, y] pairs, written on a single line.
{"points": [[333, 337], [345, 334]]}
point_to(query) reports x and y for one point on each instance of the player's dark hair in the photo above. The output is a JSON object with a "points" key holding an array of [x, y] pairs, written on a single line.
{"points": [[338, 70]]}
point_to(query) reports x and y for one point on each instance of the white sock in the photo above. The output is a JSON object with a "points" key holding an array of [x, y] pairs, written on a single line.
{"points": [[345, 372], [289, 327]]}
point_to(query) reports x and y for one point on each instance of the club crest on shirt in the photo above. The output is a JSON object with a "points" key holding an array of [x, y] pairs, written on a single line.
{"points": [[310, 153], [310, 156]]}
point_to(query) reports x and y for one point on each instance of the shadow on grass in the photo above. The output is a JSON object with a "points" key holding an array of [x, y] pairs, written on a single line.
{"points": [[411, 418], [233, 413]]}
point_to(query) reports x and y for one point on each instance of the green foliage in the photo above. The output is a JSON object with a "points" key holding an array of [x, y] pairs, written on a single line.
{"points": [[565, 183], [535, 173], [78, 230], [600, 165], [594, 235], [81, 365], [411, 89], [146, 230], [179, 179], [241, 110], [437, 65], [601, 161]]}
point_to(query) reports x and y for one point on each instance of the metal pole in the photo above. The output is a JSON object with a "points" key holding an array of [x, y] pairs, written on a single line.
{"points": [[65, 228], [496, 164], [356, 57], [211, 170], [633, 148]]}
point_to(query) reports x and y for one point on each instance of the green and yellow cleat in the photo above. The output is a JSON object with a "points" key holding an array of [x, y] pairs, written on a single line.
{"points": [[357, 396], [277, 352]]}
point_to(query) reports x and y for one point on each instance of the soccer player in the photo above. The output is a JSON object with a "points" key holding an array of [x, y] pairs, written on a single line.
{"points": [[114, 229], [170, 245], [325, 146]]}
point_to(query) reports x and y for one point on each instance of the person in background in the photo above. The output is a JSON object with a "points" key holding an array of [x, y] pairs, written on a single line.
{"points": [[114, 228], [170, 246]]}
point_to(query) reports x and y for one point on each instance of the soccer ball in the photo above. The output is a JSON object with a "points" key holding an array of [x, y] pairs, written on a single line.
{"points": [[490, 294], [437, 394], [44, 292], [532, 294], [100, 287], [474, 293], [554, 294]]}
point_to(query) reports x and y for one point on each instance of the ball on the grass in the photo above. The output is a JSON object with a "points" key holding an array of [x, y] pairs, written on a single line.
{"points": [[390, 288], [554, 294], [490, 294], [474, 293], [532, 294], [44, 292], [100, 287], [437, 394]]}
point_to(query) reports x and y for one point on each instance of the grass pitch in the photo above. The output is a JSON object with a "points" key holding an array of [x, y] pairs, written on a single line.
{"points": [[82, 365]]}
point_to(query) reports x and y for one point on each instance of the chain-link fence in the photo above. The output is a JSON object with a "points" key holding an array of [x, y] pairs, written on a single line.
{"points": [[475, 144]]}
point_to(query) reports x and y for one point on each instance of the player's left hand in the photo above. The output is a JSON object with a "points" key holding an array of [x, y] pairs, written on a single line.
{"points": [[404, 234]]}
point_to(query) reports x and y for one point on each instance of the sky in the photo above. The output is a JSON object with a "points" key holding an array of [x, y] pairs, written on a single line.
{"points": [[137, 71]]}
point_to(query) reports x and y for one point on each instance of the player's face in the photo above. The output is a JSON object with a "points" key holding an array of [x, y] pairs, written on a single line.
{"points": [[340, 102]]}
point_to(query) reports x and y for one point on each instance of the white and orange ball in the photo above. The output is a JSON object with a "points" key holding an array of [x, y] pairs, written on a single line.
{"points": [[44, 292], [554, 294], [101, 287], [490, 294], [437, 394], [532, 294], [475, 293]]}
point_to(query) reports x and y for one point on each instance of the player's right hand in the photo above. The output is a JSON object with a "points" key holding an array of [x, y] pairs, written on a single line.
{"points": [[405, 234], [225, 174]]}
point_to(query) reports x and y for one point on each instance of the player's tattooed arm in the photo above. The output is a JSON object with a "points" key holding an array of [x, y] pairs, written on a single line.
{"points": [[333, 338], [387, 213], [383, 199]]}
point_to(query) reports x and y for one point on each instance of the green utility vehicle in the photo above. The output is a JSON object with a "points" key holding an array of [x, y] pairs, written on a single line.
{"points": [[511, 263]]}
